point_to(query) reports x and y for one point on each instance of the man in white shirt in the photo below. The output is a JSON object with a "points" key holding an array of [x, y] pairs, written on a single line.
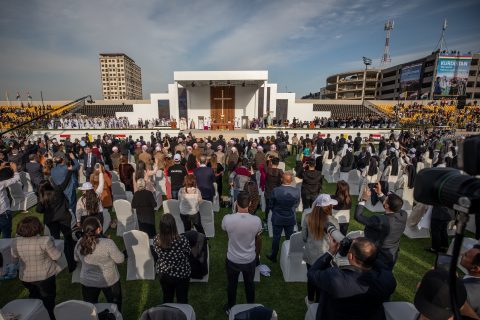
{"points": [[242, 228]]}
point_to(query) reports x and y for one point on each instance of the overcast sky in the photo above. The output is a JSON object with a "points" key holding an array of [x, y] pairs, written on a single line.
{"points": [[53, 45]]}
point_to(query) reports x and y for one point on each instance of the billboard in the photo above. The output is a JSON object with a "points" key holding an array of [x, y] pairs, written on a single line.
{"points": [[410, 80], [452, 75]]}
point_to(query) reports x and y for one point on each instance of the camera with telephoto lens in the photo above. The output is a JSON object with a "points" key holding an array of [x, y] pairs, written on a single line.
{"points": [[345, 242], [450, 187]]}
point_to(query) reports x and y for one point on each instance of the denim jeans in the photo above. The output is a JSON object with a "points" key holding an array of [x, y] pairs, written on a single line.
{"points": [[6, 224]]}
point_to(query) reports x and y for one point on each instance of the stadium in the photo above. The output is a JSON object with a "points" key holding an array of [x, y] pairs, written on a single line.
{"points": [[223, 196]]}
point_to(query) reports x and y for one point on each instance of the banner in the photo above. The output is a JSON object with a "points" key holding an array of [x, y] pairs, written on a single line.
{"points": [[452, 75], [410, 81]]}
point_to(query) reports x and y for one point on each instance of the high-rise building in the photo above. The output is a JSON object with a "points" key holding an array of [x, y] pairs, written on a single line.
{"points": [[121, 77]]}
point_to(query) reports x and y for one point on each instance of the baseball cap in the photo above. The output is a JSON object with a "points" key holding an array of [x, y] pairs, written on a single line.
{"points": [[86, 186], [433, 297], [324, 200], [177, 158]]}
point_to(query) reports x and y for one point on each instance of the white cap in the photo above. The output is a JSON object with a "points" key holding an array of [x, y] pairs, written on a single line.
{"points": [[144, 147], [177, 158], [158, 148], [324, 200], [86, 186], [114, 149]]}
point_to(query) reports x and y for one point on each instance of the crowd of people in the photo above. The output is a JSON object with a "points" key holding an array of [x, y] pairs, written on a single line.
{"points": [[195, 170], [85, 122], [13, 116]]}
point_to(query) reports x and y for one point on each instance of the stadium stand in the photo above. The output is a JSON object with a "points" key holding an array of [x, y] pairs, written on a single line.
{"points": [[93, 110], [346, 110]]}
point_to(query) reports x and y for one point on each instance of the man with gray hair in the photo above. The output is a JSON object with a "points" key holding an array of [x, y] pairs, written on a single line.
{"points": [[284, 201], [205, 179]]}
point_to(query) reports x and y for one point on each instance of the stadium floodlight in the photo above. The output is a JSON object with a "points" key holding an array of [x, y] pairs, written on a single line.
{"points": [[90, 100], [367, 62]]}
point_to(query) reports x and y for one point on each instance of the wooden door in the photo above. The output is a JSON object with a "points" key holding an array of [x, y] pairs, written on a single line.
{"points": [[225, 95]]}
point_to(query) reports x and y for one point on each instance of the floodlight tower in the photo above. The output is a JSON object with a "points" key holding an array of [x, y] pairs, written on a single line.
{"points": [[442, 43], [386, 52]]}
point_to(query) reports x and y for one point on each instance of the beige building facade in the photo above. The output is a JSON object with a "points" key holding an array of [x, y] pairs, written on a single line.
{"points": [[121, 77]]}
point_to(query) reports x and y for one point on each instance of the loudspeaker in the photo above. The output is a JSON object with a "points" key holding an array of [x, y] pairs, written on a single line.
{"points": [[461, 101]]}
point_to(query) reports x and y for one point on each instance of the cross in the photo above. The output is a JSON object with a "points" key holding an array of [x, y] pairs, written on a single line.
{"points": [[222, 99]]}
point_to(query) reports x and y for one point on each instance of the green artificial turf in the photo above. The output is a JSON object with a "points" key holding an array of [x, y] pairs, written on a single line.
{"points": [[208, 299]]}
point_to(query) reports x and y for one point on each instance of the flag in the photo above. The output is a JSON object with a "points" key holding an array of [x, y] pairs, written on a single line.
{"points": [[403, 94], [29, 96], [18, 96]]}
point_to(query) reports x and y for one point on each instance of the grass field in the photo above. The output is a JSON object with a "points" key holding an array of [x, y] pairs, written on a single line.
{"points": [[208, 298]]}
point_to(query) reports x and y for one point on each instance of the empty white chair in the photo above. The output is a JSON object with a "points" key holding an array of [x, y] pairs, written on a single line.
{"points": [[26, 309], [107, 219], [270, 226], [118, 192], [244, 307], [126, 220], [21, 200], [140, 263], [400, 310], [115, 176], [311, 313], [206, 216], [354, 180], [185, 308], [216, 199], [26, 181], [81, 310], [293, 267], [172, 206], [342, 216]]}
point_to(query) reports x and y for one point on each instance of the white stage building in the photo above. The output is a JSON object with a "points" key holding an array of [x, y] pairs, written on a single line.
{"points": [[235, 97]]}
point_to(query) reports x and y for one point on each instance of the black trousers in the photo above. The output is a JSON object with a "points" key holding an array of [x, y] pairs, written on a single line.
{"points": [[307, 200], [438, 230], [69, 244], [313, 293], [148, 228], [172, 286], [45, 290], [188, 220], [233, 271], [113, 294], [477, 225]]}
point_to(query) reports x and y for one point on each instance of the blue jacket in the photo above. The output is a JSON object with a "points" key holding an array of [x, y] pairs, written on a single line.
{"points": [[59, 173], [205, 179], [284, 200], [350, 293]]}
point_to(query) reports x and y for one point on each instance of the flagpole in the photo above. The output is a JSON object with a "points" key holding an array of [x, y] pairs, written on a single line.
{"points": [[8, 100], [41, 95]]}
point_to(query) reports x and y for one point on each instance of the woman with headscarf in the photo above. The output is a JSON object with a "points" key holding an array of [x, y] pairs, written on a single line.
{"points": [[115, 158], [144, 203]]}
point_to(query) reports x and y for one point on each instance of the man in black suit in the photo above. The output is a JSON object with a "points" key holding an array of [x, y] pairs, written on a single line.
{"points": [[384, 230], [356, 291], [205, 178], [89, 161], [357, 142], [35, 170]]}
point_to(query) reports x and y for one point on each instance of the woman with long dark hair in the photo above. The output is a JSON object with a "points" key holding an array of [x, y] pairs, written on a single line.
{"points": [[144, 203], [173, 266], [342, 196], [218, 170], [56, 215], [126, 173], [99, 257], [89, 204], [192, 163], [38, 258], [315, 237]]}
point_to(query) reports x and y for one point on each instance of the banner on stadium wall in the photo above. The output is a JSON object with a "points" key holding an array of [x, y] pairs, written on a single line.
{"points": [[452, 75], [410, 80]]}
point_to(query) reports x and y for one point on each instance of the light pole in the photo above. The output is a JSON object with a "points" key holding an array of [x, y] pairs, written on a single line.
{"points": [[366, 62]]}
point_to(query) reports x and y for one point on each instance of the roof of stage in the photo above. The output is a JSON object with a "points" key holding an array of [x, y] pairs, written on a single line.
{"points": [[220, 78]]}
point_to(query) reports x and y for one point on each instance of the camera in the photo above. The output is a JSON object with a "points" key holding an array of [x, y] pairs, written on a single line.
{"points": [[450, 187], [345, 242]]}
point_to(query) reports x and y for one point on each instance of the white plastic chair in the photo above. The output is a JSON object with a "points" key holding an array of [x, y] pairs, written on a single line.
{"points": [[26, 181], [118, 192], [400, 310], [21, 200], [172, 206], [81, 310], [244, 307], [126, 219], [353, 181], [140, 264], [185, 308], [26, 309], [206, 216], [106, 220], [293, 267], [311, 313], [342, 216], [115, 176]]}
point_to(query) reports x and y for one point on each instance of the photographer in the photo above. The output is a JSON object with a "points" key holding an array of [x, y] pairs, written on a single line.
{"points": [[386, 229], [356, 291]]}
